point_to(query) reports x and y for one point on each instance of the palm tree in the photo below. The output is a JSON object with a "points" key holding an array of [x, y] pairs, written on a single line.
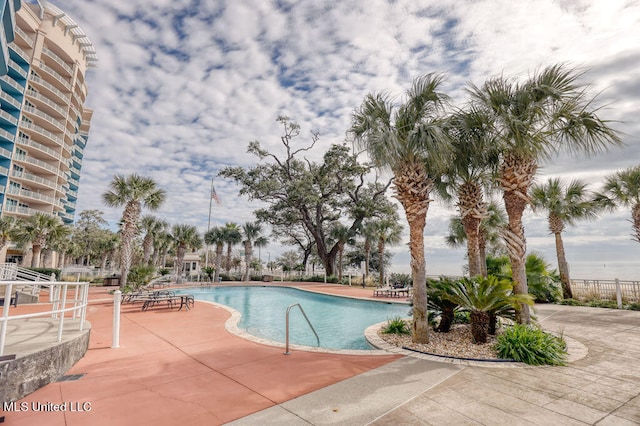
{"points": [[251, 232], [232, 236], [532, 121], [261, 242], [470, 169], [388, 232], [565, 205], [342, 235], [623, 189], [216, 236], [7, 223], [152, 226], [134, 192], [409, 142], [369, 233], [35, 230], [184, 237]]}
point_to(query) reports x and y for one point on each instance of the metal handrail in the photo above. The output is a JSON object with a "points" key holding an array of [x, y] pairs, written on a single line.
{"points": [[286, 351]]}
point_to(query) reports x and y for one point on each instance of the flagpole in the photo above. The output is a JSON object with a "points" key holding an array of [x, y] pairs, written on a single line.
{"points": [[206, 254]]}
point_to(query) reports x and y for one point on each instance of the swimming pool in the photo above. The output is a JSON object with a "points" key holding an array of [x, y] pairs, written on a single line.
{"points": [[339, 321]]}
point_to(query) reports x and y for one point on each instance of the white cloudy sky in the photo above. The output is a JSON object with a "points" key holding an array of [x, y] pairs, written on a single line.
{"points": [[183, 85]]}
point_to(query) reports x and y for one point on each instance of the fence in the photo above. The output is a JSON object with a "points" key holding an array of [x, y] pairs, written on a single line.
{"points": [[606, 289], [65, 298]]}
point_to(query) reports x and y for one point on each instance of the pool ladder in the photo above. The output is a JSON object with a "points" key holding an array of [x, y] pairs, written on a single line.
{"points": [[286, 351]]}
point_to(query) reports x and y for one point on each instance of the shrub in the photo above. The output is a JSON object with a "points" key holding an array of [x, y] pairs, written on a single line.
{"points": [[140, 275], [404, 280], [47, 271], [396, 325], [572, 302], [439, 305], [531, 345], [612, 304], [635, 306]]}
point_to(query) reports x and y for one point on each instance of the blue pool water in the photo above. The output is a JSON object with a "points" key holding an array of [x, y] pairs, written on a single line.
{"points": [[340, 322]]}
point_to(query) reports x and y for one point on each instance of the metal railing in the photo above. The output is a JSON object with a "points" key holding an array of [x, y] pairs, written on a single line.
{"points": [[64, 298], [606, 289], [286, 351]]}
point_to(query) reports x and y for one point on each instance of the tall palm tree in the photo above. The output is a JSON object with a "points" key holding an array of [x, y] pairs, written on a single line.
{"points": [[623, 189], [35, 230], [368, 231], [184, 237], [261, 242], [470, 170], [532, 121], [409, 142], [151, 226], [565, 205], [232, 236], [134, 192], [343, 236], [216, 236], [388, 232], [251, 231]]}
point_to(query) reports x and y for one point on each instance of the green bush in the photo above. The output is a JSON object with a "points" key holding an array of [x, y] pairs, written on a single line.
{"points": [[396, 325], [635, 306], [531, 345], [47, 271], [140, 275], [403, 280], [572, 302], [612, 304]]}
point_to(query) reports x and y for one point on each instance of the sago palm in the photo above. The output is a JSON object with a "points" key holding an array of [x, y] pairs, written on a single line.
{"points": [[565, 204], [622, 189], [532, 121], [484, 298], [134, 192], [410, 142]]}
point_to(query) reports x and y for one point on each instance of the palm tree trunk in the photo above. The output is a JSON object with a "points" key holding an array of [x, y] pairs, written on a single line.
{"points": [[635, 220], [563, 268], [479, 326], [413, 186], [381, 257], [472, 210], [179, 262], [228, 261], [219, 249], [471, 228], [367, 255], [248, 254], [36, 249], [482, 246], [516, 175]]}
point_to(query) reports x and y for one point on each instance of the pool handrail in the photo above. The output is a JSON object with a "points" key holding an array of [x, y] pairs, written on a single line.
{"points": [[286, 351], [58, 300]]}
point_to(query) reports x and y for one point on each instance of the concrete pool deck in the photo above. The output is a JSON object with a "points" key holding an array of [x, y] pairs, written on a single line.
{"points": [[185, 367]]}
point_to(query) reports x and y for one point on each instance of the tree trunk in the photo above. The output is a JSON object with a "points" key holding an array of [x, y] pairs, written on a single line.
{"points": [[446, 319], [483, 255], [471, 228], [479, 326], [128, 233], [218, 264], [413, 186], [472, 211], [516, 175], [248, 254], [635, 220], [563, 268], [179, 262], [381, 257], [36, 249]]}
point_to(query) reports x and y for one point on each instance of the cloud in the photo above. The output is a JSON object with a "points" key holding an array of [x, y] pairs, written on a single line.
{"points": [[182, 86]]}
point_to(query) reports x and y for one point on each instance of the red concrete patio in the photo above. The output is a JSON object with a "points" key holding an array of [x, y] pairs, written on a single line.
{"points": [[183, 367]]}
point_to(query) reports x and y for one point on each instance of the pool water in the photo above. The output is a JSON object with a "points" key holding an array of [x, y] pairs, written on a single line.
{"points": [[340, 322]]}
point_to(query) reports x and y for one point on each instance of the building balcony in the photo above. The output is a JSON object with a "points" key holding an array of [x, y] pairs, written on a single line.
{"points": [[33, 179], [41, 148], [55, 75], [39, 130], [8, 118], [59, 61], [34, 162], [17, 68], [10, 85], [10, 100], [5, 153], [51, 88], [32, 94], [24, 36], [20, 54], [31, 195], [36, 114], [4, 134], [23, 211]]}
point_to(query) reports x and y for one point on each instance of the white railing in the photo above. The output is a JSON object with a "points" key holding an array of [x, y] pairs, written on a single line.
{"points": [[65, 298], [606, 289]]}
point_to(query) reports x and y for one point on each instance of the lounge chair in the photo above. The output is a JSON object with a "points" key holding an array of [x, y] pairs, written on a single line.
{"points": [[382, 291]]}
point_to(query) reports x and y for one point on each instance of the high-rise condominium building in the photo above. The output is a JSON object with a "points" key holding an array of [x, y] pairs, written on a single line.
{"points": [[44, 124]]}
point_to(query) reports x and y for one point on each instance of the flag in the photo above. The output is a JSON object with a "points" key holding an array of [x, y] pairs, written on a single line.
{"points": [[214, 195]]}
